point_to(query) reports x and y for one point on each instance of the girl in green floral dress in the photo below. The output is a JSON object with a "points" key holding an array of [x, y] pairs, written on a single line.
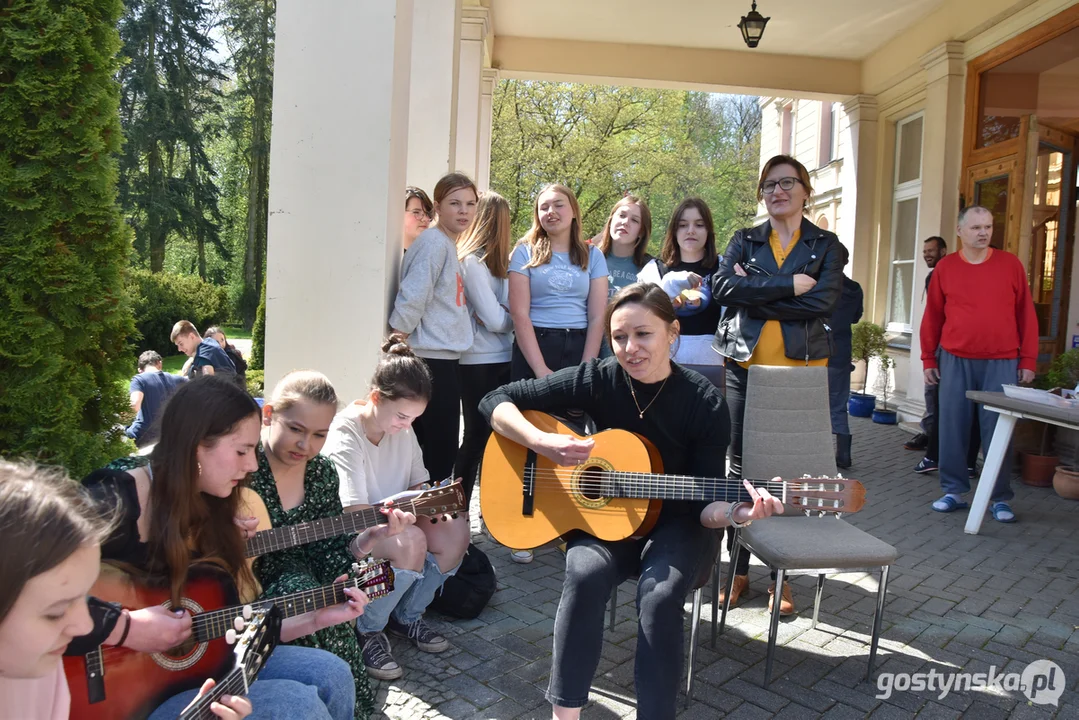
{"points": [[298, 485]]}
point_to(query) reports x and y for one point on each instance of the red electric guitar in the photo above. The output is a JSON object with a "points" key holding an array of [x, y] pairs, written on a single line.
{"points": [[121, 684]]}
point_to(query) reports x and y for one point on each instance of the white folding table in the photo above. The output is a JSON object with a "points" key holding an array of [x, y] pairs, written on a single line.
{"points": [[1010, 410]]}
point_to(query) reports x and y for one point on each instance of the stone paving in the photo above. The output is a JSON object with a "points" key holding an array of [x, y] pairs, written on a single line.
{"points": [[956, 603]]}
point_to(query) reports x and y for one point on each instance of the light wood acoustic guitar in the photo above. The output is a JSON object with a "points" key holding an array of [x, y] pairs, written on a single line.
{"points": [[129, 684], [528, 500]]}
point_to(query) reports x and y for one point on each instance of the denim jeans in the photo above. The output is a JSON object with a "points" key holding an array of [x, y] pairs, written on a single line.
{"points": [[412, 593], [956, 413], [560, 349], [667, 562], [297, 682]]}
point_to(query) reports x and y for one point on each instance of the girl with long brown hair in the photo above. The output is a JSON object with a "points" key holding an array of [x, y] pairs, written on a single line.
{"points": [[430, 310], [484, 252], [180, 504], [624, 244], [51, 533]]}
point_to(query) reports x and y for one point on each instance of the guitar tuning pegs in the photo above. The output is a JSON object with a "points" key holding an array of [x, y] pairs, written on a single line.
{"points": [[434, 520], [248, 612], [230, 636], [238, 623], [453, 515]]}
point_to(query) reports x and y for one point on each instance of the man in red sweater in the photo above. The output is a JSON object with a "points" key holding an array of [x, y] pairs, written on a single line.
{"points": [[979, 332]]}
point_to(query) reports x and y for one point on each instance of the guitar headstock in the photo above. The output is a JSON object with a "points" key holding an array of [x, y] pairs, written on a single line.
{"points": [[446, 498], [261, 633], [826, 494], [374, 577]]}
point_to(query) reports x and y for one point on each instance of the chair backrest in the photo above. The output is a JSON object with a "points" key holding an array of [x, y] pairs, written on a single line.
{"points": [[787, 431]]}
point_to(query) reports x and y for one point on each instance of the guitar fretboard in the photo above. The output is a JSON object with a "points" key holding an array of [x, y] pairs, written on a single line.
{"points": [[267, 541], [685, 487]]}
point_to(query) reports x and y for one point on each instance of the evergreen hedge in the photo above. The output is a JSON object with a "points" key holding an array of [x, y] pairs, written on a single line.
{"points": [[64, 321], [160, 299]]}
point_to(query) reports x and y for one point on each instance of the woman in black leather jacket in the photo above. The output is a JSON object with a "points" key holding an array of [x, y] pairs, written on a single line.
{"points": [[778, 283]]}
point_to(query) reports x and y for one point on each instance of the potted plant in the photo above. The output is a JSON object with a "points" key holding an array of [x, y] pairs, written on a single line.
{"points": [[1037, 467], [884, 414], [1064, 373], [867, 342]]}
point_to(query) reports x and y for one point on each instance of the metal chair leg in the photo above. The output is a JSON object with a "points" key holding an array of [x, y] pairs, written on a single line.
{"points": [[816, 601], [732, 563], [693, 641], [614, 604], [882, 591], [715, 593], [773, 626]]}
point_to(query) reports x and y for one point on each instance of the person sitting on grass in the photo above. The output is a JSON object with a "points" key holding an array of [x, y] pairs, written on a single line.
{"points": [[150, 388], [207, 357]]}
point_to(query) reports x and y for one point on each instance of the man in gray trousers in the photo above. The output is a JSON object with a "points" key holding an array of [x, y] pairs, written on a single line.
{"points": [[979, 332]]}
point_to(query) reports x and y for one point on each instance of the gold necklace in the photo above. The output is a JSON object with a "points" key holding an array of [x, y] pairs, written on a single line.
{"points": [[634, 394]]}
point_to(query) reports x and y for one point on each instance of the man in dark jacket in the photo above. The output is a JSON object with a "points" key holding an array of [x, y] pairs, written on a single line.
{"points": [[847, 312]]}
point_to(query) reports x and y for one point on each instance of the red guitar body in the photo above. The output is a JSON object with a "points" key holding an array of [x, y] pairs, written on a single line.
{"points": [[136, 683]]}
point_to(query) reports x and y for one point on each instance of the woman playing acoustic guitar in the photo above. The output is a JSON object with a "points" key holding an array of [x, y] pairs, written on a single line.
{"points": [[684, 416], [181, 508], [51, 536]]}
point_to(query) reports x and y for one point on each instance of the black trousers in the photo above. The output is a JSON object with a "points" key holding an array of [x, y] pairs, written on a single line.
{"points": [[438, 429], [737, 383], [476, 381], [560, 348]]}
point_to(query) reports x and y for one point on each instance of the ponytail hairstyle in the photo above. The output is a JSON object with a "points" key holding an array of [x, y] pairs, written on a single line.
{"points": [[640, 248], [44, 518], [489, 235], [400, 374], [540, 245], [182, 518], [303, 385]]}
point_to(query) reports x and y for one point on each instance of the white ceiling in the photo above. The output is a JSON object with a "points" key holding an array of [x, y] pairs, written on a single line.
{"points": [[849, 29]]}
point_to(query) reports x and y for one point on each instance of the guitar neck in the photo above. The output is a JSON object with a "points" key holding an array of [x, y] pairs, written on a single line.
{"points": [[686, 487], [235, 683], [215, 623], [281, 538]]}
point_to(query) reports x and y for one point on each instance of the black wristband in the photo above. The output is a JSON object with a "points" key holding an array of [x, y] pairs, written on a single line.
{"points": [[127, 627]]}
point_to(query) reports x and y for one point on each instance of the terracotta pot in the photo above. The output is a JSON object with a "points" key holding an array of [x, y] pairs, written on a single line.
{"points": [[1038, 469], [1066, 482]]}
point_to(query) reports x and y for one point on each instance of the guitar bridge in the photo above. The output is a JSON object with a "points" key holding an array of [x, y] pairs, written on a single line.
{"points": [[528, 487]]}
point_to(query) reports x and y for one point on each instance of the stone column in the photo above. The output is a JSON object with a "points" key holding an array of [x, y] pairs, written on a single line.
{"points": [[858, 180], [942, 150], [483, 171], [432, 120], [475, 24], [337, 169]]}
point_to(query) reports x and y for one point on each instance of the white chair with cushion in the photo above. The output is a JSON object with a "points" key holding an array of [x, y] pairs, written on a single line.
{"points": [[787, 433]]}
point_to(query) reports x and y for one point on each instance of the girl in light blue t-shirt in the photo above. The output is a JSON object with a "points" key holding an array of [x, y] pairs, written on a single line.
{"points": [[558, 290]]}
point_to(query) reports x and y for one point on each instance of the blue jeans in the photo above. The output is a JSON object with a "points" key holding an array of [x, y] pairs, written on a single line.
{"points": [[838, 395], [297, 682], [667, 562], [956, 413], [412, 593]]}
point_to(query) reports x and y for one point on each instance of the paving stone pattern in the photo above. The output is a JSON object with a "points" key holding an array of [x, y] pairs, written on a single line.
{"points": [[956, 603]]}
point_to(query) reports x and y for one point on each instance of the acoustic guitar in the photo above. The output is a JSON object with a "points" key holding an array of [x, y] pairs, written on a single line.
{"points": [[135, 683], [432, 503], [261, 633], [527, 500]]}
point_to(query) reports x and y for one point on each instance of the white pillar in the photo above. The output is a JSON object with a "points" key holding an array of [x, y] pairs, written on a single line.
{"points": [[938, 207], [858, 180], [432, 119], [337, 169], [483, 171], [474, 27]]}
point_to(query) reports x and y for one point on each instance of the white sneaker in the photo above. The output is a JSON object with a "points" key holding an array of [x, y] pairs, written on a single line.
{"points": [[521, 556]]}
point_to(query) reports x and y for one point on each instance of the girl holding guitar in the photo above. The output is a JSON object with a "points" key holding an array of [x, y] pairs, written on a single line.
{"points": [[685, 417], [295, 484], [51, 535], [180, 508]]}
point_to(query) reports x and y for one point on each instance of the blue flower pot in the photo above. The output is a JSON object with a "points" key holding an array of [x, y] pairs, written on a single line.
{"points": [[885, 417], [861, 405]]}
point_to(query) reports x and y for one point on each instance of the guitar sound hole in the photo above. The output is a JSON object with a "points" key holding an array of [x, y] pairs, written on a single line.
{"points": [[182, 650], [590, 484]]}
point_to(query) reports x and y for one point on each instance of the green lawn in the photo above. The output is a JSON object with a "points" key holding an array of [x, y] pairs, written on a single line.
{"points": [[174, 363], [236, 332]]}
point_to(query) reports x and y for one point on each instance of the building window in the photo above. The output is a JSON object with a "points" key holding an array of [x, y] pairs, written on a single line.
{"points": [[787, 129], [829, 133], [906, 203]]}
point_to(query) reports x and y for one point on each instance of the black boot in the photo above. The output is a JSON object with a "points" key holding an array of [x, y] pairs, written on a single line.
{"points": [[842, 451]]}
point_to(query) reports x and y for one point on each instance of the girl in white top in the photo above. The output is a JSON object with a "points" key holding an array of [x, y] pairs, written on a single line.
{"points": [[484, 252], [377, 455]]}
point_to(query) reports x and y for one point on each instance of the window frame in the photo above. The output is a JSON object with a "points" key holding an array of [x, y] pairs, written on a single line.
{"points": [[902, 192]]}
